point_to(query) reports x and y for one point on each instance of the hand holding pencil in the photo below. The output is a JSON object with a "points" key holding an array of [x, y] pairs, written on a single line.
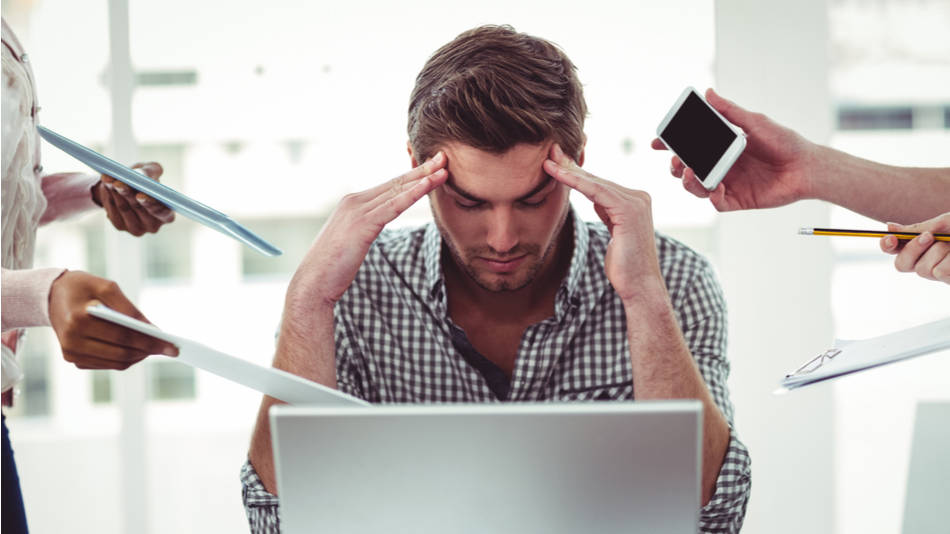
{"points": [[923, 248], [928, 254]]}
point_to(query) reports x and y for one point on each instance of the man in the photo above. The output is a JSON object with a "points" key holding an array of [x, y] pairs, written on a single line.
{"points": [[507, 296], [779, 167]]}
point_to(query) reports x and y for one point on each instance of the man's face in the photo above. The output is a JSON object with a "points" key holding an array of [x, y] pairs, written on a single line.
{"points": [[500, 214]]}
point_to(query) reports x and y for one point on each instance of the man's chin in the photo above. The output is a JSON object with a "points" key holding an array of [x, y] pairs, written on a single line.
{"points": [[501, 283]]}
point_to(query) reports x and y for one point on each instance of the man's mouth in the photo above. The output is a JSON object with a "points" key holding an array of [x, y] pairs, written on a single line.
{"points": [[505, 265]]}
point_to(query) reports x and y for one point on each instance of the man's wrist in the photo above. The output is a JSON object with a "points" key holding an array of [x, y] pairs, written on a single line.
{"points": [[816, 169], [651, 294]]}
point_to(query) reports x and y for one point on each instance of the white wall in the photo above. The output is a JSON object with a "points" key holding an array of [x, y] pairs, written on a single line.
{"points": [[772, 57]]}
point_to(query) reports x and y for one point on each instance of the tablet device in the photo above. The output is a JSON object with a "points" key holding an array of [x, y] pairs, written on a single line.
{"points": [[178, 202], [506, 468]]}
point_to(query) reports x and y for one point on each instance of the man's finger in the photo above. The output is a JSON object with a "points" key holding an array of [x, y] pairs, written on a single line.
{"points": [[395, 205], [407, 180], [692, 184], [729, 109], [718, 198], [595, 190], [656, 144], [906, 261], [942, 270], [677, 167], [890, 244], [929, 260]]}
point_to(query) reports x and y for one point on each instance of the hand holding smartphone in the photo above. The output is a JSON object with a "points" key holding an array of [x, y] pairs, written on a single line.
{"points": [[701, 137]]}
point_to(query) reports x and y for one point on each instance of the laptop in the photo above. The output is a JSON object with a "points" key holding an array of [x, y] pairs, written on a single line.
{"points": [[928, 476], [520, 468]]}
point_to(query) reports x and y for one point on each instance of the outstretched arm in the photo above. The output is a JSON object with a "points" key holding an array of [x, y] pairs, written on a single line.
{"points": [[779, 167]]}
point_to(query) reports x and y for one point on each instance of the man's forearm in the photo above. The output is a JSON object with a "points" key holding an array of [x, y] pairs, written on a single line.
{"points": [[305, 348], [663, 368], [886, 193]]}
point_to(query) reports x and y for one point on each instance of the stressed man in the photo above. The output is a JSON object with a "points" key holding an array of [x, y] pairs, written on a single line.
{"points": [[507, 296]]}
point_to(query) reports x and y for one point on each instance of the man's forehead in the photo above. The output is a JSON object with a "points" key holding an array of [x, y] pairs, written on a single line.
{"points": [[518, 171]]}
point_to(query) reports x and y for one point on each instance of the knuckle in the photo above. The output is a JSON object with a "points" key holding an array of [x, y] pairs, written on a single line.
{"points": [[942, 272], [111, 287], [901, 266]]}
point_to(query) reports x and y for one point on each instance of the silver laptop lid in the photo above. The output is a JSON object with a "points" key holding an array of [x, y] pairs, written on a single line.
{"points": [[928, 476], [489, 468]]}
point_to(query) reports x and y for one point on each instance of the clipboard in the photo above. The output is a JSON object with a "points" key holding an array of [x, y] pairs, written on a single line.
{"points": [[276, 383], [178, 202], [850, 357]]}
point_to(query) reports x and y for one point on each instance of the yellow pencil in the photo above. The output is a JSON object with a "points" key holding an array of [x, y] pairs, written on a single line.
{"points": [[904, 236]]}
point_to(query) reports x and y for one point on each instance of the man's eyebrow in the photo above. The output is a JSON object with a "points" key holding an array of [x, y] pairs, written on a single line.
{"points": [[468, 196], [538, 188], [450, 183]]}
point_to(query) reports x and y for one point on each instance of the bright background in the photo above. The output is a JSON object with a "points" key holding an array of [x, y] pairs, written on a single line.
{"points": [[271, 111]]}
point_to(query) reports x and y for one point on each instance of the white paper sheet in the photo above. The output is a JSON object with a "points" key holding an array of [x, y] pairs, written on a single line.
{"points": [[853, 356], [276, 383]]}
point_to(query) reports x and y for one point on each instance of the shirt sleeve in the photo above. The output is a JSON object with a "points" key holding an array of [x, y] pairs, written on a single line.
{"points": [[25, 296], [260, 506], [67, 194], [703, 319]]}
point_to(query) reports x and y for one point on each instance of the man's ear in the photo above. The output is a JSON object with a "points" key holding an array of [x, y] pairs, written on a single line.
{"points": [[412, 155]]}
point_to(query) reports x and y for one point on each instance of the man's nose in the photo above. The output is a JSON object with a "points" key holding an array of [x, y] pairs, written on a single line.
{"points": [[502, 233]]}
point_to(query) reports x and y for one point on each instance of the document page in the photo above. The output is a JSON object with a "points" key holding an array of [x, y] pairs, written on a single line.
{"points": [[276, 383]]}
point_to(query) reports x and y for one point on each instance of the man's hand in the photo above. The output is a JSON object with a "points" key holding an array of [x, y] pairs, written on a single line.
{"points": [[770, 172], [631, 256], [330, 266], [923, 254], [131, 210], [89, 342]]}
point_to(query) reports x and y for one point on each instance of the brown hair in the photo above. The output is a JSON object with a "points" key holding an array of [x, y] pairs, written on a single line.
{"points": [[492, 88]]}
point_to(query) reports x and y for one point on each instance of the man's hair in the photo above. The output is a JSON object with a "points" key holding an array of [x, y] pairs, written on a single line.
{"points": [[492, 88]]}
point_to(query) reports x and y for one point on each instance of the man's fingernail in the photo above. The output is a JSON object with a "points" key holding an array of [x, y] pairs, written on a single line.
{"points": [[170, 351], [141, 199]]}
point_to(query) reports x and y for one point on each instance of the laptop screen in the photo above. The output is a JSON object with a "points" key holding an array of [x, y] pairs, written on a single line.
{"points": [[500, 468]]}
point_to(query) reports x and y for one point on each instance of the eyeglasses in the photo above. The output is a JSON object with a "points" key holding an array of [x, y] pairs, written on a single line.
{"points": [[815, 363]]}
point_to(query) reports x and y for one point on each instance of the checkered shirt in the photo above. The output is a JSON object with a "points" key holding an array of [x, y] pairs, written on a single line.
{"points": [[394, 344]]}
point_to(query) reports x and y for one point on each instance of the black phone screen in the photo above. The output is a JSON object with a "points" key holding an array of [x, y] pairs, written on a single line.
{"points": [[698, 135]]}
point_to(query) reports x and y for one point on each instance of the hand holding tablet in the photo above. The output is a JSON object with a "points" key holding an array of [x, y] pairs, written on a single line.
{"points": [[173, 199]]}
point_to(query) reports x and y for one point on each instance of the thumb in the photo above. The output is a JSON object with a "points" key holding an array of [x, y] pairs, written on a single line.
{"points": [[733, 112], [115, 299]]}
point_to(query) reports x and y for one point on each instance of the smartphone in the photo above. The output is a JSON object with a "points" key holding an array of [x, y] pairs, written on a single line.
{"points": [[701, 137]]}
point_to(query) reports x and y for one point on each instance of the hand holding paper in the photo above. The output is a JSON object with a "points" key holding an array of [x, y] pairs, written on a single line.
{"points": [[275, 383]]}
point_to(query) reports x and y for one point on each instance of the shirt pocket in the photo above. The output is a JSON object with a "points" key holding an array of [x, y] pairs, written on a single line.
{"points": [[608, 392]]}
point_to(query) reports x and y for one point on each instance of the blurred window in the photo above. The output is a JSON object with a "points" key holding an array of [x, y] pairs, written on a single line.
{"points": [[296, 234]]}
